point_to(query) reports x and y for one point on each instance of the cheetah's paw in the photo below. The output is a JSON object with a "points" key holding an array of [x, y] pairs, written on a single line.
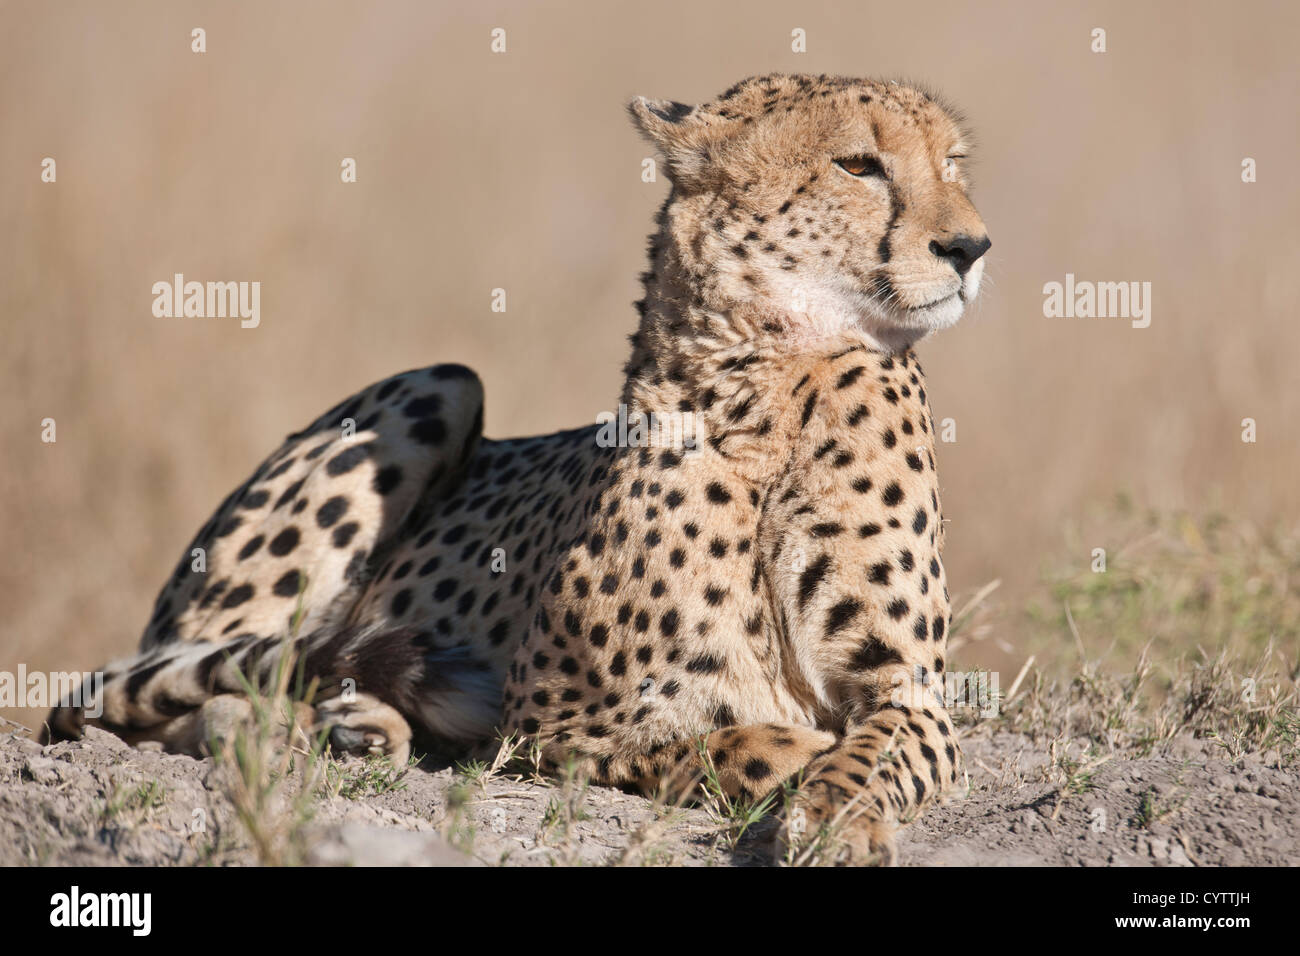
{"points": [[365, 725], [812, 834]]}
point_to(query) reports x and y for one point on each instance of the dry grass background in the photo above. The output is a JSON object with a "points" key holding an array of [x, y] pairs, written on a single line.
{"points": [[520, 171]]}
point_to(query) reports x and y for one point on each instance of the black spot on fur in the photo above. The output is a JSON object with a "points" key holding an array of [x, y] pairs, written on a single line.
{"points": [[387, 478], [346, 460], [331, 511], [287, 585], [812, 578]]}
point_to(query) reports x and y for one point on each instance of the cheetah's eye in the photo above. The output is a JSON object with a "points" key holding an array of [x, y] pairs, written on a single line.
{"points": [[861, 166]]}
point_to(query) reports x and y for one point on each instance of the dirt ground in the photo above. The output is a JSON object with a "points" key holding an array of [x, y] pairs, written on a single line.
{"points": [[101, 802]]}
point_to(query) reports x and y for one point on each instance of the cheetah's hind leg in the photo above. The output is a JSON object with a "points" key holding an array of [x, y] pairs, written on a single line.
{"points": [[287, 553], [289, 549]]}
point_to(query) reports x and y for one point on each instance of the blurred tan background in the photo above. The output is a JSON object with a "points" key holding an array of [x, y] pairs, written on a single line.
{"points": [[520, 171]]}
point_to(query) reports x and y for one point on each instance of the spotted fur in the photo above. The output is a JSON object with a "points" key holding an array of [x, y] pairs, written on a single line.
{"points": [[771, 602]]}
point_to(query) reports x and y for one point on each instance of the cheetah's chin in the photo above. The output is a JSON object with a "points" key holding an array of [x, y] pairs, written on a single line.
{"points": [[897, 328], [936, 315]]}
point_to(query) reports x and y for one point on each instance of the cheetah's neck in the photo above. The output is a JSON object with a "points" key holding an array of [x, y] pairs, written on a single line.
{"points": [[733, 366]]}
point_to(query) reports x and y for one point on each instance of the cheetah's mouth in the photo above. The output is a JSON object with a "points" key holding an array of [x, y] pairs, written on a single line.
{"points": [[881, 312], [958, 296], [897, 325], [889, 305], [938, 313]]}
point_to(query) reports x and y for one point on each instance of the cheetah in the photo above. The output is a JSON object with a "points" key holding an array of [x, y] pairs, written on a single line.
{"points": [[766, 603]]}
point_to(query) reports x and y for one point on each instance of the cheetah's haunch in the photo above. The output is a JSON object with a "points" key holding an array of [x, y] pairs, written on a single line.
{"points": [[761, 603]]}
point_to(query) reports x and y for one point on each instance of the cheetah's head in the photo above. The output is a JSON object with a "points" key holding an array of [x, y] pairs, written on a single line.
{"points": [[832, 203]]}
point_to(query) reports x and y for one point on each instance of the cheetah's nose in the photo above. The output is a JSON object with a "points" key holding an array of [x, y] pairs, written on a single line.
{"points": [[961, 251]]}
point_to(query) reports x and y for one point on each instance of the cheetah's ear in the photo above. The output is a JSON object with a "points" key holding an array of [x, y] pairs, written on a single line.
{"points": [[679, 130]]}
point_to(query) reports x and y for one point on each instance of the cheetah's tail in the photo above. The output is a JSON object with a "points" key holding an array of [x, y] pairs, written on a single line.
{"points": [[445, 692]]}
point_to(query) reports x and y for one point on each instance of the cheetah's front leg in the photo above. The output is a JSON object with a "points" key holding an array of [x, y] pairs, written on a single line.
{"points": [[743, 763], [882, 772]]}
